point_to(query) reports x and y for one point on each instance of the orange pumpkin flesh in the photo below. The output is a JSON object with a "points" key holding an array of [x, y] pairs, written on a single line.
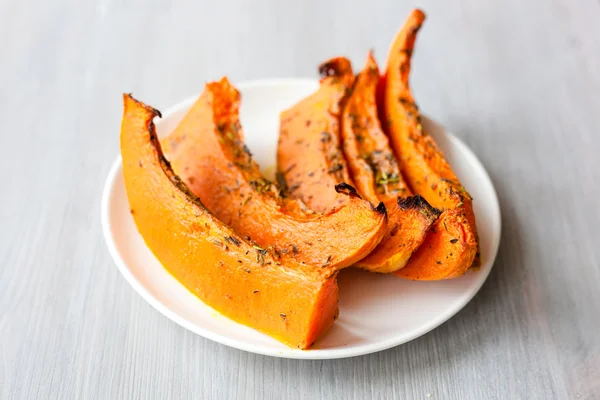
{"points": [[376, 174], [451, 247], [207, 152], [309, 155], [275, 294]]}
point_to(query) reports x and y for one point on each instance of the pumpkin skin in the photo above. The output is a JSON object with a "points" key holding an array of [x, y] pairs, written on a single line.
{"points": [[309, 154], [207, 151], [275, 294], [376, 174], [452, 244]]}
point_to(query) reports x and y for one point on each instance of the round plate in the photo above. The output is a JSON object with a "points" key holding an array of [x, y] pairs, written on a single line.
{"points": [[376, 311]]}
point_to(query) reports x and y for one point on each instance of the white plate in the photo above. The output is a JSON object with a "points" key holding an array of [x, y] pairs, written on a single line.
{"points": [[376, 311]]}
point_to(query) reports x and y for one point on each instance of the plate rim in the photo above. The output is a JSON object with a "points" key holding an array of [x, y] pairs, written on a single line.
{"points": [[316, 354]]}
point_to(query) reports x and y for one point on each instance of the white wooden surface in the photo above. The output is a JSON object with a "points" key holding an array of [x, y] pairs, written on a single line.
{"points": [[519, 81]]}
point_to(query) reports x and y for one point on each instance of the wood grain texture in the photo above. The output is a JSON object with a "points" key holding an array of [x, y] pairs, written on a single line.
{"points": [[519, 81]]}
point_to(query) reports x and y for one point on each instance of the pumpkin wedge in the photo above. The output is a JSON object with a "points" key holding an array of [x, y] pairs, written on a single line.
{"points": [[376, 174], [309, 155], [292, 302], [453, 244], [206, 150]]}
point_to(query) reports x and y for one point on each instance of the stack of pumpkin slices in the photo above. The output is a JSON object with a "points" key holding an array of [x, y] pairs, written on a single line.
{"points": [[359, 184]]}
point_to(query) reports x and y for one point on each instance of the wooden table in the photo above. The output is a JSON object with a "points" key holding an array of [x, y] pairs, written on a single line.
{"points": [[518, 81]]}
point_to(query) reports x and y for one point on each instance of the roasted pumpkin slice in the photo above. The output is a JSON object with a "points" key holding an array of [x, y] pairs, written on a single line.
{"points": [[275, 294], [376, 174], [425, 169], [309, 155], [207, 152]]}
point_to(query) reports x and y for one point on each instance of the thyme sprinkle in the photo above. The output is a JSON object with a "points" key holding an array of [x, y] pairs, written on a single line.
{"points": [[277, 253], [382, 178], [260, 257], [448, 180], [233, 240]]}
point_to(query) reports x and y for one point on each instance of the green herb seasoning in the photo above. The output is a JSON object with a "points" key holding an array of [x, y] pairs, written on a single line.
{"points": [[233, 240]]}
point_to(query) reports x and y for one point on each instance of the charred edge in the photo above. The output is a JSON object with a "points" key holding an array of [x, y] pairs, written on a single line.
{"points": [[417, 202], [147, 107], [380, 209], [335, 67], [347, 189], [168, 170]]}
